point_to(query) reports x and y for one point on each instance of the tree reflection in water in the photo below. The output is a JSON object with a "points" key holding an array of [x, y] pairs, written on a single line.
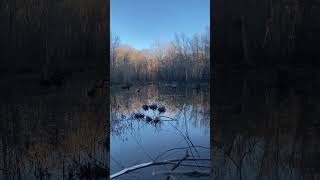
{"points": [[55, 134], [183, 126], [265, 132]]}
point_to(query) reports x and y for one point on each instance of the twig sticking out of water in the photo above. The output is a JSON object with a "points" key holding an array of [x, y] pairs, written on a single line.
{"points": [[187, 139], [178, 163]]}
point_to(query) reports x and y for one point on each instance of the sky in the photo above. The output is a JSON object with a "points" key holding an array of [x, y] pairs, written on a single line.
{"points": [[139, 23]]}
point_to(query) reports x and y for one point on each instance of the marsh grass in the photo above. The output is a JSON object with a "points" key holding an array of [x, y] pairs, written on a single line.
{"points": [[57, 132]]}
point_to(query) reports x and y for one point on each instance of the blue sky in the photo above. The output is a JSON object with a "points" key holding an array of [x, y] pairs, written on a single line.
{"points": [[139, 23]]}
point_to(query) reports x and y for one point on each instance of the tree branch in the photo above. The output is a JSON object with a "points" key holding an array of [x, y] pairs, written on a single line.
{"points": [[178, 163], [183, 173], [151, 163]]}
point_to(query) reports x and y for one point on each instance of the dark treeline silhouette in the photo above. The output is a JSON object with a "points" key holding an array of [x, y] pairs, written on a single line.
{"points": [[265, 82], [48, 37], [277, 41], [53, 64], [267, 32]]}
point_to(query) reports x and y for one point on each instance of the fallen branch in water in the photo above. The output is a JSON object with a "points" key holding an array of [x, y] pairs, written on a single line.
{"points": [[152, 163], [163, 153], [187, 139], [178, 163], [191, 165], [183, 173]]}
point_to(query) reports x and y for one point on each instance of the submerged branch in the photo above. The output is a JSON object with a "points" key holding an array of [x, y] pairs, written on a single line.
{"points": [[183, 173], [178, 163], [152, 163], [190, 165], [178, 149]]}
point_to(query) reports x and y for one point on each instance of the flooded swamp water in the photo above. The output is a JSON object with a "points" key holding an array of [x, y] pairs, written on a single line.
{"points": [[158, 123]]}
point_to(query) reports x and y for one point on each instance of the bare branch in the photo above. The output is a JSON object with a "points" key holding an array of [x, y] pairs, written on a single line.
{"points": [[183, 173], [151, 163]]}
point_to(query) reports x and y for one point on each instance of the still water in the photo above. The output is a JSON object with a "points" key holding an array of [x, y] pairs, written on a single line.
{"points": [[55, 134], [266, 129], [183, 128]]}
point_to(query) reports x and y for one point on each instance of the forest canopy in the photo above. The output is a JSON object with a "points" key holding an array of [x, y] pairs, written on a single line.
{"points": [[182, 59]]}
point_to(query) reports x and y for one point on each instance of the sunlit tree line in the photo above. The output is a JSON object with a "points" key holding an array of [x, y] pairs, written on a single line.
{"points": [[183, 59]]}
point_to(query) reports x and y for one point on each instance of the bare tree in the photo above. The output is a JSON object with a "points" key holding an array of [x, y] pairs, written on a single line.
{"points": [[183, 59]]}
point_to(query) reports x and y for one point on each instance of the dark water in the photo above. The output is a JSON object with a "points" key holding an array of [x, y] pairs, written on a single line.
{"points": [[259, 132], [136, 141], [266, 129], [57, 133]]}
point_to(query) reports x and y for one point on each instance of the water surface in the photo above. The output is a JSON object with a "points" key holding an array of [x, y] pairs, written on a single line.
{"points": [[185, 123]]}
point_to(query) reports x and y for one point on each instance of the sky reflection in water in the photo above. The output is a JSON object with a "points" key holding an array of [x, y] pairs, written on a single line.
{"points": [[137, 141]]}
